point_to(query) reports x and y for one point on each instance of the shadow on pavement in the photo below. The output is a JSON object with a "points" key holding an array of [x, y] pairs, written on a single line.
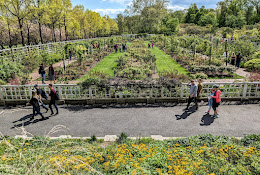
{"points": [[26, 123], [187, 113], [207, 120]]}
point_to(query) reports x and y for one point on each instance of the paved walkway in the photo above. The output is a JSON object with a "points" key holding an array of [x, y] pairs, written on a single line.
{"points": [[170, 121]]}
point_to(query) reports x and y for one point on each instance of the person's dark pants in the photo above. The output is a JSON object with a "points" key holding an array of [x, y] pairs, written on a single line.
{"points": [[53, 102], [43, 78], [238, 64], [195, 101], [37, 111]]}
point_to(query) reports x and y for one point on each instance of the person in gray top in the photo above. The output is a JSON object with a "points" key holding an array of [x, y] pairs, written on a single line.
{"points": [[193, 94]]}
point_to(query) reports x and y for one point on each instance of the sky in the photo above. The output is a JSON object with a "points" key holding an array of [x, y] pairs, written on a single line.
{"points": [[114, 7]]}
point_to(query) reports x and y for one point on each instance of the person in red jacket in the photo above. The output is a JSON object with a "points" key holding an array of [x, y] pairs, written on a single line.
{"points": [[216, 100]]}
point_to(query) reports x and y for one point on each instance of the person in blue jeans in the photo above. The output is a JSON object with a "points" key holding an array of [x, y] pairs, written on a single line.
{"points": [[41, 94], [210, 101], [53, 100], [36, 107], [42, 72]]}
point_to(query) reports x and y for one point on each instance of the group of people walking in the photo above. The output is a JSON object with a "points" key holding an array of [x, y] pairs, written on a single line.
{"points": [[196, 91], [37, 101], [42, 72], [120, 48], [236, 59], [149, 45]]}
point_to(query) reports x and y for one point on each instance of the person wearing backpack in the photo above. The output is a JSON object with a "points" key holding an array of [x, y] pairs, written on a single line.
{"points": [[216, 100], [54, 98], [36, 107], [41, 94], [42, 73]]}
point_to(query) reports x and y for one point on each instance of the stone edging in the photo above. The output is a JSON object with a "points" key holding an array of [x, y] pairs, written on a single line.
{"points": [[110, 138]]}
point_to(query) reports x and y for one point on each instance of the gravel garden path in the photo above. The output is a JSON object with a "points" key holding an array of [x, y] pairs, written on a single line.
{"points": [[35, 75], [168, 121]]}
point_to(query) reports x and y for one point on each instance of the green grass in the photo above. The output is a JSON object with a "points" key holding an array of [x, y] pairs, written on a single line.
{"points": [[235, 76], [164, 62], [106, 66]]}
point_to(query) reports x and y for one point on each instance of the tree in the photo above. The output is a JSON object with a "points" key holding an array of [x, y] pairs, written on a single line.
{"points": [[235, 21], [172, 25], [19, 9], [120, 22]]}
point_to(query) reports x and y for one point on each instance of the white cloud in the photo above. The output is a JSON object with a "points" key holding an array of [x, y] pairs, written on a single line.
{"points": [[123, 2], [177, 7], [109, 11]]}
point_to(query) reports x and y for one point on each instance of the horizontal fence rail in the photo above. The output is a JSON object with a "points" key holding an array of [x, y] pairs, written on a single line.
{"points": [[16, 53], [135, 91]]}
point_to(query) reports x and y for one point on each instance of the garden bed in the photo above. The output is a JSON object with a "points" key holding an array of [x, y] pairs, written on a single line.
{"points": [[204, 154]]}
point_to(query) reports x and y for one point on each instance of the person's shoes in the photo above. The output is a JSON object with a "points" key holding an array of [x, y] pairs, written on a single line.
{"points": [[47, 110], [217, 116], [57, 113], [207, 112], [52, 113], [32, 118]]}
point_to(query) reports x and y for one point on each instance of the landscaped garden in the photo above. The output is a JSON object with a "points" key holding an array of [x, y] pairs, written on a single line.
{"points": [[204, 154]]}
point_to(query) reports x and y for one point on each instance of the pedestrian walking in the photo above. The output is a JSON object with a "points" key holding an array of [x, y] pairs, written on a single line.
{"points": [[216, 100], [233, 59], [53, 100], [193, 94], [70, 54], [36, 107], [210, 101], [238, 59], [51, 74], [199, 92], [152, 45], [41, 94], [149, 46], [42, 73]]}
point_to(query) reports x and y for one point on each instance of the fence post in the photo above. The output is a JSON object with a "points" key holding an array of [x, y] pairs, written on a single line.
{"points": [[60, 91], [182, 89], [245, 90], [90, 92]]}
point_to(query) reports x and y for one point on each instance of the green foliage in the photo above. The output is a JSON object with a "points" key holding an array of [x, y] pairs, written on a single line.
{"points": [[10, 70], [32, 61], [253, 64], [202, 154], [51, 58], [199, 76]]}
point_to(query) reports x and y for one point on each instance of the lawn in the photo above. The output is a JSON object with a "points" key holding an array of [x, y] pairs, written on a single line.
{"points": [[204, 154], [165, 63]]}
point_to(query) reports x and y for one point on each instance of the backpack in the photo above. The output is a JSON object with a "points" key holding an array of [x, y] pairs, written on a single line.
{"points": [[57, 97], [44, 95]]}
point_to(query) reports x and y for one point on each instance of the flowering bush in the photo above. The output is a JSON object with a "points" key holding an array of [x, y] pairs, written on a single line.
{"points": [[204, 154]]}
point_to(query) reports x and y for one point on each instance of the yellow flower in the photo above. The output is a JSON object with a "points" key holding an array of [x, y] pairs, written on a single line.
{"points": [[27, 143], [3, 158]]}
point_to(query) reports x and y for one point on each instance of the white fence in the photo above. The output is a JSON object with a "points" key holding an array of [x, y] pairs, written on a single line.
{"points": [[70, 92], [16, 53]]}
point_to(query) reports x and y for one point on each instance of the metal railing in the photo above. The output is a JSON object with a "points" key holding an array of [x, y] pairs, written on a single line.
{"points": [[71, 92]]}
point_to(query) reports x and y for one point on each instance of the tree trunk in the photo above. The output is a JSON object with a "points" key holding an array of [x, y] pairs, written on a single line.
{"points": [[28, 34], [9, 33], [60, 32], [66, 36], [40, 32], [20, 21], [53, 29]]}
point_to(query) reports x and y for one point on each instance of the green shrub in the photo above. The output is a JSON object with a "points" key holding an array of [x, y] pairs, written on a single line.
{"points": [[253, 65], [10, 70], [2, 82], [199, 75], [32, 61], [51, 58]]}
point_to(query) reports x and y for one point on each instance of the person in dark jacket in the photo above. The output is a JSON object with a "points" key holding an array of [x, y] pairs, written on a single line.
{"points": [[41, 94], [238, 60], [42, 72], [51, 74], [53, 100], [36, 106]]}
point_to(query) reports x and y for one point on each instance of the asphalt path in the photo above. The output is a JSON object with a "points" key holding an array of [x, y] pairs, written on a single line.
{"points": [[168, 121]]}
